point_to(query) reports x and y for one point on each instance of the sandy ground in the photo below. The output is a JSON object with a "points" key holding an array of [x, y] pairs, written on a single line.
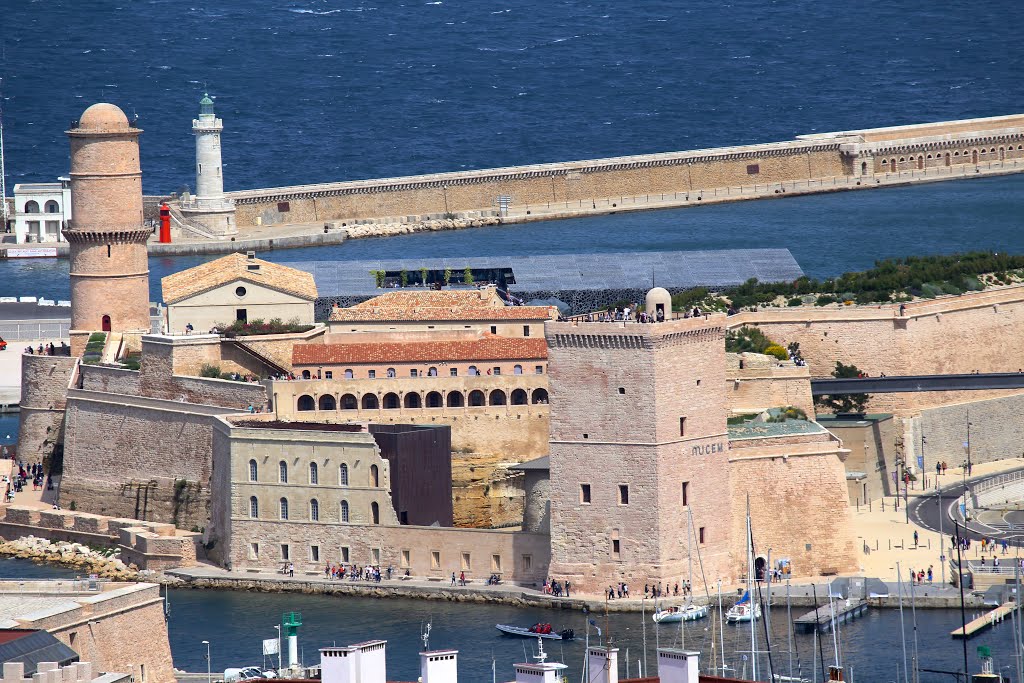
{"points": [[10, 368]]}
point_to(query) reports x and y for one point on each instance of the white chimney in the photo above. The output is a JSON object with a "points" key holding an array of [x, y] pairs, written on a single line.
{"points": [[678, 666], [360, 663], [603, 665], [439, 666]]}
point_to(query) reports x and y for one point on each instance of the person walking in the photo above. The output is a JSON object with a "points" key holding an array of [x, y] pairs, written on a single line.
{"points": [[567, 584], [915, 538], [453, 578], [462, 578]]}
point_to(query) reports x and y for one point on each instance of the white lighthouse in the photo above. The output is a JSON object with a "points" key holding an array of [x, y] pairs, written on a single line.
{"points": [[209, 207]]}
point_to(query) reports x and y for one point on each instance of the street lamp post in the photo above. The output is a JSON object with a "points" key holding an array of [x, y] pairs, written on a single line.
{"points": [[209, 670]]}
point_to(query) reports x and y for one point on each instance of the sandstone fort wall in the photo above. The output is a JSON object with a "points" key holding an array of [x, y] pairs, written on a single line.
{"points": [[44, 385]]}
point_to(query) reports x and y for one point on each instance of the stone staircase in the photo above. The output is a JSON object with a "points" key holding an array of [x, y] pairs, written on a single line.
{"points": [[112, 348]]}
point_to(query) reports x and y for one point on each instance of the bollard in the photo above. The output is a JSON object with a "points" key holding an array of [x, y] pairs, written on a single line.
{"points": [[876, 544], [890, 544]]}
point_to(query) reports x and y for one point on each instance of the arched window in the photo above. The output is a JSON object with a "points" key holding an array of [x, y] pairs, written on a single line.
{"points": [[540, 396], [519, 397], [375, 512], [885, 162], [305, 374], [51, 207], [282, 472], [31, 206], [456, 399], [497, 398], [432, 372], [391, 401], [349, 374], [374, 476], [517, 370], [434, 400], [343, 475], [306, 403], [253, 471], [412, 400], [349, 402], [477, 398], [370, 402], [314, 510], [473, 372], [284, 508], [344, 511], [314, 473], [254, 507], [327, 402], [391, 372]]}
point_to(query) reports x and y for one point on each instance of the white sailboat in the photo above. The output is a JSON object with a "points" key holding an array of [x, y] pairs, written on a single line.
{"points": [[744, 610], [675, 614]]}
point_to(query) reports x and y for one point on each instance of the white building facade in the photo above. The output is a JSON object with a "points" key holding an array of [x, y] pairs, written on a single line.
{"points": [[40, 210]]}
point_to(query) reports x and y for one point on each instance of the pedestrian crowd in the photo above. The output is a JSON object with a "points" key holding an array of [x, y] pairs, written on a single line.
{"points": [[632, 313], [918, 576], [558, 589], [353, 572], [49, 350], [22, 476]]}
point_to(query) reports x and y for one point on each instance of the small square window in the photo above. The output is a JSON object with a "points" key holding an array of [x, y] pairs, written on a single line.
{"points": [[284, 551], [344, 553], [622, 390], [526, 330], [454, 372], [623, 494], [328, 374], [497, 370], [527, 563], [585, 493], [413, 373], [372, 374], [314, 553], [539, 370], [435, 559], [494, 329]]}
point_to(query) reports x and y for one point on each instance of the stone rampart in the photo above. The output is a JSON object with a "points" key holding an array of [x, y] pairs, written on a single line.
{"points": [[994, 432], [44, 384], [754, 389], [850, 154], [111, 380]]}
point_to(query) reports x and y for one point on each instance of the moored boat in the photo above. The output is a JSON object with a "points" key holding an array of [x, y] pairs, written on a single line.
{"points": [[677, 613], [744, 610], [537, 631]]}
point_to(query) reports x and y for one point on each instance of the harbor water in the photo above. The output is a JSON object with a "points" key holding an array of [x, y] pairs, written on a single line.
{"points": [[235, 623]]}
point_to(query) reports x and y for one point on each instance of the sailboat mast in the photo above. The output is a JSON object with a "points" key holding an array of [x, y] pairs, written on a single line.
{"points": [[915, 662], [789, 629], [721, 624], [3, 169], [752, 606], [903, 630]]}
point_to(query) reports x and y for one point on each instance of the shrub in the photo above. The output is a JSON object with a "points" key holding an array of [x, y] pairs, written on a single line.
{"points": [[209, 370], [274, 326], [748, 339], [844, 403], [777, 351], [795, 301], [132, 363], [930, 290], [447, 275], [950, 288], [825, 300], [98, 337]]}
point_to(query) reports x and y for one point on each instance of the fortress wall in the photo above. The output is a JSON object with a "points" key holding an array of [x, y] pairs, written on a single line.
{"points": [[159, 381], [755, 390], [795, 503], [390, 541], [44, 385], [112, 380], [123, 456], [995, 431]]}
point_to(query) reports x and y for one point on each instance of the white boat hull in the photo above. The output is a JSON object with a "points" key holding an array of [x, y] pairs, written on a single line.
{"points": [[738, 614], [676, 615]]}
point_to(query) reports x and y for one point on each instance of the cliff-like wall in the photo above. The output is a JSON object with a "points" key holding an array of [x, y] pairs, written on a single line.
{"points": [[44, 385]]}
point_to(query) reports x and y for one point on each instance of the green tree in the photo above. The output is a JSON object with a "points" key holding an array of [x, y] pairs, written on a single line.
{"points": [[404, 277], [447, 275], [467, 275], [844, 403], [423, 276]]}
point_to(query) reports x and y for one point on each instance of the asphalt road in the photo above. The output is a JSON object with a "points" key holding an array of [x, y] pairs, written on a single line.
{"points": [[926, 512]]}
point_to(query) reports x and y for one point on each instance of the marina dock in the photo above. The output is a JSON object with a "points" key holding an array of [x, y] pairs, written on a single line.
{"points": [[822, 618], [983, 622]]}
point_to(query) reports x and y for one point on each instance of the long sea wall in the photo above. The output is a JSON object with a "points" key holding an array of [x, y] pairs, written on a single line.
{"points": [[847, 156]]}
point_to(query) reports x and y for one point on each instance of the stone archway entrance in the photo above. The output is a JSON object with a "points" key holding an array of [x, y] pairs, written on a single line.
{"points": [[760, 565]]}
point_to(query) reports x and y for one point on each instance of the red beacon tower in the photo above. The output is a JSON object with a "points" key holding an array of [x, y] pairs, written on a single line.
{"points": [[165, 224]]}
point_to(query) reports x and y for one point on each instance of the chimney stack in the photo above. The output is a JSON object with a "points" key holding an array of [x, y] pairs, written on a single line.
{"points": [[439, 666], [678, 666], [603, 665], [360, 663]]}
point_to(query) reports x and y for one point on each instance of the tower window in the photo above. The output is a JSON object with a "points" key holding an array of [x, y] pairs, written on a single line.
{"points": [[623, 494], [682, 426], [585, 494], [700, 535], [616, 549], [200, 168], [108, 251], [686, 493]]}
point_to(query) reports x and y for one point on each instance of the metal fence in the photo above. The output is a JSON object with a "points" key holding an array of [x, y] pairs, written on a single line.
{"points": [[35, 330]]}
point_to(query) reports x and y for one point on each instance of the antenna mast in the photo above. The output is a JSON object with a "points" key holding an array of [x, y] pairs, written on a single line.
{"points": [[3, 170]]}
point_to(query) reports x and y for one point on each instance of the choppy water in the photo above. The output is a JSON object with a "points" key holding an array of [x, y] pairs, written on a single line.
{"points": [[235, 623]]}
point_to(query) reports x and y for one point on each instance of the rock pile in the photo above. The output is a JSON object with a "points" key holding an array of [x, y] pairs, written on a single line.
{"points": [[390, 229], [70, 555]]}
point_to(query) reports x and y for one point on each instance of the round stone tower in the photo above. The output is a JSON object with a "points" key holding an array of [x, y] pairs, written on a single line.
{"points": [[107, 239], [209, 208]]}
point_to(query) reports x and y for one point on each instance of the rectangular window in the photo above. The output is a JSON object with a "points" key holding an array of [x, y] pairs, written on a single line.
{"points": [[753, 169], [435, 559], [344, 554], [52, 227], [496, 563], [375, 556], [682, 426], [466, 562], [623, 494], [497, 370], [494, 329], [284, 551], [526, 330], [328, 374], [405, 559], [283, 207], [454, 372], [616, 549], [700, 535], [539, 370], [314, 553], [372, 374], [254, 551], [241, 315], [413, 373], [585, 493], [527, 562], [686, 493]]}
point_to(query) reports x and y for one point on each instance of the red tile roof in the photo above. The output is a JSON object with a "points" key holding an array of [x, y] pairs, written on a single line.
{"points": [[488, 347]]}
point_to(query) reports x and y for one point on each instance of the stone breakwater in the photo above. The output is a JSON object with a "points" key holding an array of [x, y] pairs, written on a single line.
{"points": [[76, 555], [389, 229]]}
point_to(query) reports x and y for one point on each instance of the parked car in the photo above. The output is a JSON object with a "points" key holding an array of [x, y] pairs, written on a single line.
{"points": [[3, 344]]}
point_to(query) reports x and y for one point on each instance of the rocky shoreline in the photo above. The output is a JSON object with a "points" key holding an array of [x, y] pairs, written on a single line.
{"points": [[74, 555], [374, 229]]}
